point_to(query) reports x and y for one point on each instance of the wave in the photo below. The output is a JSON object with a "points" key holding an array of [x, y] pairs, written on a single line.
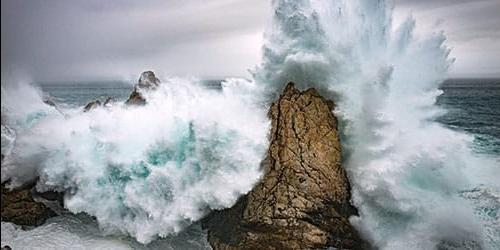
{"points": [[153, 170], [409, 173], [146, 171]]}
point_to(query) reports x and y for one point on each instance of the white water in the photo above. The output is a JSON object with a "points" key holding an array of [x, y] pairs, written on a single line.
{"points": [[143, 171], [417, 184], [153, 170]]}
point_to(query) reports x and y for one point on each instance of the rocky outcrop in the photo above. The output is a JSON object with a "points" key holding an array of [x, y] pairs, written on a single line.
{"points": [[19, 207], [135, 98], [303, 200], [97, 103], [147, 81], [92, 105]]}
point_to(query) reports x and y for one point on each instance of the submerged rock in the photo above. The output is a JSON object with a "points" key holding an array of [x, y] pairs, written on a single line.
{"points": [[108, 102], [92, 105], [147, 81], [19, 207], [97, 103], [303, 200]]}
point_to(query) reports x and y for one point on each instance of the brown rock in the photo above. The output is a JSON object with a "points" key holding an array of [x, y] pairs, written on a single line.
{"points": [[303, 200], [135, 98], [18, 207], [147, 81]]}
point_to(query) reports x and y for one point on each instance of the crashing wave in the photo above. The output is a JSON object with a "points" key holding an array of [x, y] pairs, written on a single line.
{"points": [[148, 170], [407, 170]]}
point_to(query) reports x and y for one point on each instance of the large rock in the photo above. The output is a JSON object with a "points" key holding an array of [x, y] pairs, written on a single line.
{"points": [[19, 207], [303, 200], [147, 81]]}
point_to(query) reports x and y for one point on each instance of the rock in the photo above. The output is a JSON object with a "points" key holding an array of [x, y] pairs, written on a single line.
{"points": [[135, 98], [303, 200], [97, 103], [92, 105], [108, 102], [49, 102], [19, 207], [147, 81]]}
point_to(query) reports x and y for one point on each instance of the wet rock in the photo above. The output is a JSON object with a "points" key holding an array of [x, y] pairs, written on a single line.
{"points": [[97, 103], [19, 207], [135, 98], [92, 105], [303, 200], [49, 102], [147, 81], [108, 102]]}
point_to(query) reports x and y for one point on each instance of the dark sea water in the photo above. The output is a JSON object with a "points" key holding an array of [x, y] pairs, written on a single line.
{"points": [[473, 105], [81, 93]]}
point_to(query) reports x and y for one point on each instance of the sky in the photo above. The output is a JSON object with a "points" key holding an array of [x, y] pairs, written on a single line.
{"points": [[70, 40]]}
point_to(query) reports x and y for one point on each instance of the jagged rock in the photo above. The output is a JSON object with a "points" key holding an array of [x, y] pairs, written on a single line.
{"points": [[19, 207], [92, 105], [108, 101], [147, 81], [97, 103], [303, 200], [135, 98]]}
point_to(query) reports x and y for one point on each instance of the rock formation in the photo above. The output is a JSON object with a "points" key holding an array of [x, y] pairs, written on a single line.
{"points": [[92, 105], [303, 200], [147, 81], [19, 207], [97, 103]]}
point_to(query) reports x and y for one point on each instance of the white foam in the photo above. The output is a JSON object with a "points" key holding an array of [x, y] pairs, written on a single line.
{"points": [[407, 171], [150, 170]]}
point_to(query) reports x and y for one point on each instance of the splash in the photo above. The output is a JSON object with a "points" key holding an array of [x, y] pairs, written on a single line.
{"points": [[144, 171], [416, 183]]}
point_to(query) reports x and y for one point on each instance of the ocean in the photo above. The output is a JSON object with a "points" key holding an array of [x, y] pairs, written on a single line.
{"points": [[423, 176], [472, 105]]}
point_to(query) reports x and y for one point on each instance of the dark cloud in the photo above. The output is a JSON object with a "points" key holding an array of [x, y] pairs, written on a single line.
{"points": [[66, 38], [70, 39]]}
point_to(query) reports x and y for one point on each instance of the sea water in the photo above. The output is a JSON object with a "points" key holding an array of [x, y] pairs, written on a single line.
{"points": [[423, 176]]}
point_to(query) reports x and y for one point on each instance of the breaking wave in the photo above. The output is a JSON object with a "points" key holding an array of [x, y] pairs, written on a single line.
{"points": [[153, 170], [145, 171], [417, 184]]}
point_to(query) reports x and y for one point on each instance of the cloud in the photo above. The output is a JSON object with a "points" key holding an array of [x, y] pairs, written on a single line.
{"points": [[56, 38], [95, 39]]}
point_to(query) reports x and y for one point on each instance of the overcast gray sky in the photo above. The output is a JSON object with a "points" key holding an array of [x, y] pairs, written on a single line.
{"points": [[116, 39]]}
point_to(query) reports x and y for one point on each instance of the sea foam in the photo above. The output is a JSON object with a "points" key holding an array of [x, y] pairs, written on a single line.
{"points": [[149, 170], [417, 184]]}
